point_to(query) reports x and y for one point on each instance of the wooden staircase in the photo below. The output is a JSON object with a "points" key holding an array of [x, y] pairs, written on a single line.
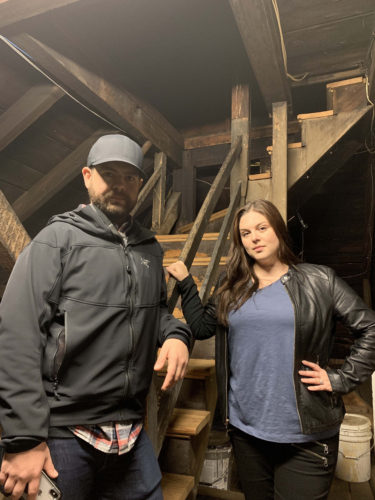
{"points": [[182, 455], [328, 139]]}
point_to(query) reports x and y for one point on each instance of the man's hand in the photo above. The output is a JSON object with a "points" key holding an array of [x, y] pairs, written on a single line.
{"points": [[23, 469], [176, 353]]}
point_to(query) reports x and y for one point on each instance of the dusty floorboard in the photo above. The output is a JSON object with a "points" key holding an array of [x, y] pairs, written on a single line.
{"points": [[341, 490]]}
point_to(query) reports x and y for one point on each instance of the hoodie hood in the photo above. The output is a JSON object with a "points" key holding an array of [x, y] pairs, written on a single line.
{"points": [[93, 221]]}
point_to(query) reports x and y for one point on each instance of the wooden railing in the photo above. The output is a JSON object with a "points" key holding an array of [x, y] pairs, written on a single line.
{"points": [[164, 207], [166, 401], [212, 271], [195, 236]]}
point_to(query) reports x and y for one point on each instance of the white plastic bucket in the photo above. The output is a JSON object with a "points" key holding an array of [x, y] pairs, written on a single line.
{"points": [[354, 463]]}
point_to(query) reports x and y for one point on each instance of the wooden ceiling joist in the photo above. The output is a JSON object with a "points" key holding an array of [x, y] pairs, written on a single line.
{"points": [[24, 112], [120, 107], [195, 140], [263, 48], [13, 11], [56, 179]]}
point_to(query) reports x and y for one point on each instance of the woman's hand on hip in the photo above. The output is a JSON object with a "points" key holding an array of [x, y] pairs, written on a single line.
{"points": [[316, 378]]}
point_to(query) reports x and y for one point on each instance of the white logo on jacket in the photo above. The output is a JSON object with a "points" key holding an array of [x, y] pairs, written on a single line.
{"points": [[145, 262]]}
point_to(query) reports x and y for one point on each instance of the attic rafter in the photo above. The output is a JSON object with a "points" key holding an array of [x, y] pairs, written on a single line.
{"points": [[13, 11], [24, 112], [258, 27], [120, 107], [56, 179]]}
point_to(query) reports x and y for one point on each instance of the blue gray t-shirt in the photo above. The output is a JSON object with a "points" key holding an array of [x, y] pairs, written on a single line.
{"points": [[262, 399]]}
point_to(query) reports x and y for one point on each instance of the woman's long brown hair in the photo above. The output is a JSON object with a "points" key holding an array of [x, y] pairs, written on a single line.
{"points": [[240, 281]]}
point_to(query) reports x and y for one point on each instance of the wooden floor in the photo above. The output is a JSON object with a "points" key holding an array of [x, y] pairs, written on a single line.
{"points": [[341, 490]]}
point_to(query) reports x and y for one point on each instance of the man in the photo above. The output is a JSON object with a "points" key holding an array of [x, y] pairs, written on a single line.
{"points": [[81, 319]]}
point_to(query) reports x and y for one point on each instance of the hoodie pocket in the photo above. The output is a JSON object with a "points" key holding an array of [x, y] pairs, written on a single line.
{"points": [[55, 350]]}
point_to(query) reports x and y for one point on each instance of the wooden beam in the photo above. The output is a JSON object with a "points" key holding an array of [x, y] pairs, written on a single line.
{"points": [[240, 127], [184, 182], [329, 77], [14, 11], [279, 165], [203, 139], [24, 112], [147, 188], [13, 237], [370, 71], [120, 107], [158, 205], [258, 27], [171, 213], [55, 180]]}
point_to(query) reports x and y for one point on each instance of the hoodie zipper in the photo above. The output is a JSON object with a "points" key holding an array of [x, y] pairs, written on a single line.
{"points": [[131, 307]]}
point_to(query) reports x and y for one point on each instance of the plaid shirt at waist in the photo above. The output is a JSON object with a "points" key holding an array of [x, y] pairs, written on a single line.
{"points": [[110, 437]]}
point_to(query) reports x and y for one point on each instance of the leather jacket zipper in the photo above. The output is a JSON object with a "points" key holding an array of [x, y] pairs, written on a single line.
{"points": [[294, 354], [226, 378]]}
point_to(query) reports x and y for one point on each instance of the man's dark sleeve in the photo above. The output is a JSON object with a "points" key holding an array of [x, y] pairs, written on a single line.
{"points": [[355, 315], [171, 327], [26, 306]]}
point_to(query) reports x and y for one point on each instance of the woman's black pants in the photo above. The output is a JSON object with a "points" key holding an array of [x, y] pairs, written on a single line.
{"points": [[279, 471]]}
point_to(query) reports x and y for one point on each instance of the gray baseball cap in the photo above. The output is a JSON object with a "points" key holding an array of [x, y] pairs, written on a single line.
{"points": [[116, 147]]}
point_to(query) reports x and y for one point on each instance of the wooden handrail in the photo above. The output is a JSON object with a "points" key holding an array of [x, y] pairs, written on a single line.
{"points": [[168, 399], [212, 270], [195, 236]]}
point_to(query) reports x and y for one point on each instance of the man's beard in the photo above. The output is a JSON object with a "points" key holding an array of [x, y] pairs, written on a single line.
{"points": [[117, 213]]}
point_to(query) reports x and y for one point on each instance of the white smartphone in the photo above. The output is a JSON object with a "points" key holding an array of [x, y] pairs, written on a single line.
{"points": [[47, 489]]}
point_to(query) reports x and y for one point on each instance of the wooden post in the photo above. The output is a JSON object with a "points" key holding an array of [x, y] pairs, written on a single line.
{"points": [[279, 165], [158, 203], [240, 127], [184, 182]]}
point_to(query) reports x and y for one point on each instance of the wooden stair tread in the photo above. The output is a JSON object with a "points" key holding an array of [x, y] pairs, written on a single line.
{"points": [[186, 422], [291, 145], [320, 114], [209, 491], [200, 368], [259, 177], [217, 215], [198, 261], [162, 238], [176, 486], [197, 369], [342, 83]]}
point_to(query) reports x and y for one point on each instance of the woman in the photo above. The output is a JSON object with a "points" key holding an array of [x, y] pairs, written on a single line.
{"points": [[274, 318]]}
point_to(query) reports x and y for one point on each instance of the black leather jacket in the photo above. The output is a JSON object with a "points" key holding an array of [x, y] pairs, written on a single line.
{"points": [[319, 298]]}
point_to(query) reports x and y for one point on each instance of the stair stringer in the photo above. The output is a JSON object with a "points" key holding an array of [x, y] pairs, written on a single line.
{"points": [[328, 143], [319, 135]]}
